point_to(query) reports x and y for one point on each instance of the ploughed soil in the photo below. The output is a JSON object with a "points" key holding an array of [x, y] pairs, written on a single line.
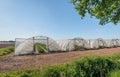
{"points": [[12, 63]]}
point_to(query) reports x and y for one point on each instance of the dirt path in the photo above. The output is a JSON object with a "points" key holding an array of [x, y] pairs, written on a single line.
{"points": [[12, 62]]}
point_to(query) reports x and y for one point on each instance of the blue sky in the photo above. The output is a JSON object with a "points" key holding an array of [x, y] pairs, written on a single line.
{"points": [[53, 18]]}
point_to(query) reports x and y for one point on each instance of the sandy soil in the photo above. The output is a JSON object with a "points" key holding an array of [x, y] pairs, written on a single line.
{"points": [[12, 62]]}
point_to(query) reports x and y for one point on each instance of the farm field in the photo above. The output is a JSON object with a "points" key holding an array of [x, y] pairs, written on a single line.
{"points": [[11, 62]]}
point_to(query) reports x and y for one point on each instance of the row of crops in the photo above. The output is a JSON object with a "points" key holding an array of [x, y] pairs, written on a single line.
{"points": [[27, 46], [7, 50], [99, 66]]}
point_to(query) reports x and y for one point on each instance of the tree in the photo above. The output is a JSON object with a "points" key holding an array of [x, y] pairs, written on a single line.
{"points": [[104, 10]]}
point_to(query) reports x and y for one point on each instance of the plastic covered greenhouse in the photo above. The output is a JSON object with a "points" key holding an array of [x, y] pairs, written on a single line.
{"points": [[27, 46]]}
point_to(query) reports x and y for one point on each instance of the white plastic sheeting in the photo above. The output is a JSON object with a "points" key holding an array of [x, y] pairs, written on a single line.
{"points": [[66, 45], [81, 42], [99, 43], [69, 44], [26, 46], [90, 44], [53, 46], [115, 43]]}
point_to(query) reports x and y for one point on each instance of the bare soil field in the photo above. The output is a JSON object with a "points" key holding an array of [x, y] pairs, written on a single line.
{"points": [[6, 45], [11, 62]]}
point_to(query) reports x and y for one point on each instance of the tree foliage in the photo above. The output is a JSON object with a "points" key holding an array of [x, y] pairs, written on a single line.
{"points": [[105, 10]]}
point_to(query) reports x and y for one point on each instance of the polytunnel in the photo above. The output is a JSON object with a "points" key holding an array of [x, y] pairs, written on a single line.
{"points": [[66, 45], [26, 46], [99, 43], [69, 44], [81, 42], [115, 42], [89, 43], [108, 42], [23, 46]]}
